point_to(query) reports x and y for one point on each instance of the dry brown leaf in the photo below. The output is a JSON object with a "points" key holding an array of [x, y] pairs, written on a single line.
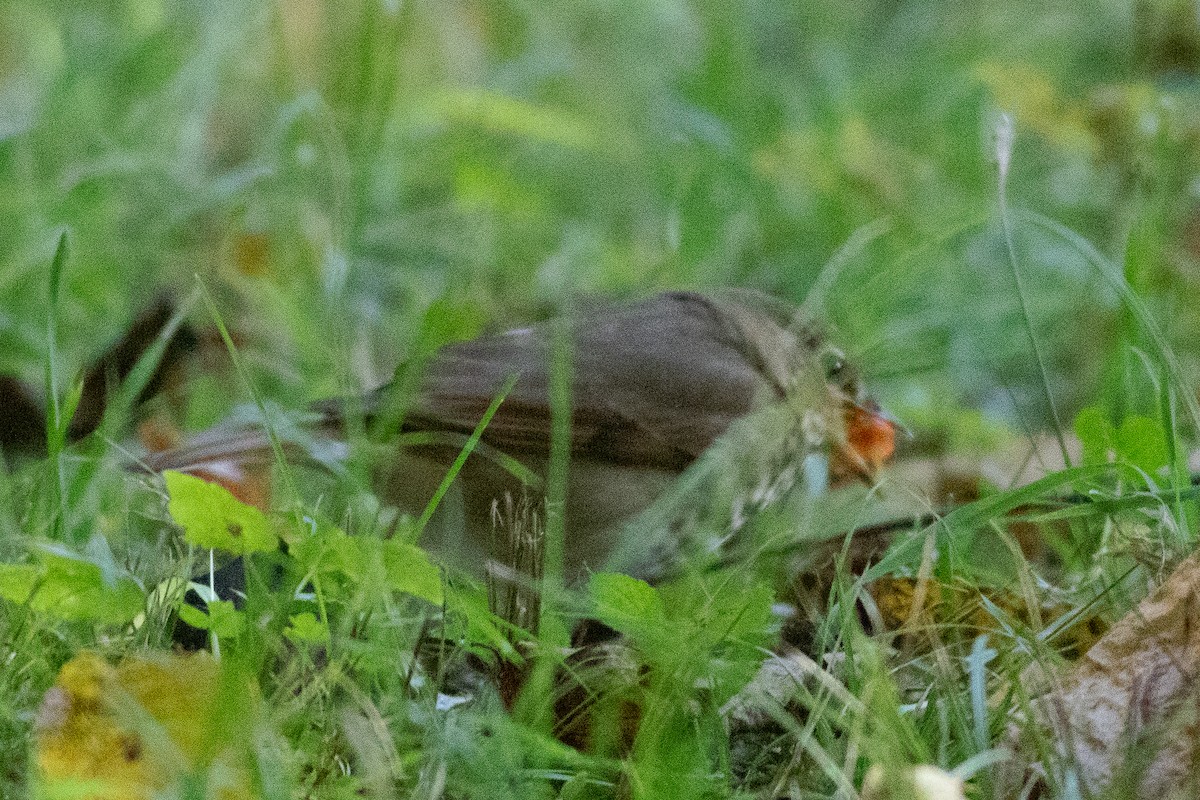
{"points": [[1126, 715]]}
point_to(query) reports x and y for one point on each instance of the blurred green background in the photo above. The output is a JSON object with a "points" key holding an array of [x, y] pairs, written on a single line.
{"points": [[348, 179], [973, 196]]}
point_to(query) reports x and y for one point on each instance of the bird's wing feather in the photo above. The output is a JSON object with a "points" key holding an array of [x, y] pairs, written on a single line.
{"points": [[654, 384]]}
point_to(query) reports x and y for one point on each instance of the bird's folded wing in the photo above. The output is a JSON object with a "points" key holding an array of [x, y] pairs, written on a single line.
{"points": [[653, 384]]}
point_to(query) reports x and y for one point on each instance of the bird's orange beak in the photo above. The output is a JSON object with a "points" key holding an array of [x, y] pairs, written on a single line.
{"points": [[870, 440]]}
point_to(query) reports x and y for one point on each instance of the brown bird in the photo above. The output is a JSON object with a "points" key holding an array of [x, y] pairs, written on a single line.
{"points": [[654, 384]]}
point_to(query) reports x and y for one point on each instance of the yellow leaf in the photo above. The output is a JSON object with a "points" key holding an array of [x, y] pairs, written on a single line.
{"points": [[147, 725]]}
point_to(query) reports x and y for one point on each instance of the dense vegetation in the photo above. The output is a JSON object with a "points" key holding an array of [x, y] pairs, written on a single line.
{"points": [[993, 207]]}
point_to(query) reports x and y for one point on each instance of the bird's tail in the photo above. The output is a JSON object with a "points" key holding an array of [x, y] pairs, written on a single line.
{"points": [[240, 456]]}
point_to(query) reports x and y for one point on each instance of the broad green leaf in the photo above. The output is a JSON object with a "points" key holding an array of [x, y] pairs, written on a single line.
{"points": [[401, 566], [628, 605], [222, 618], [448, 321], [225, 619], [409, 570], [328, 550], [17, 581], [1142, 442], [469, 605], [1096, 435], [195, 617], [305, 627], [211, 517], [76, 588], [753, 614], [71, 588]]}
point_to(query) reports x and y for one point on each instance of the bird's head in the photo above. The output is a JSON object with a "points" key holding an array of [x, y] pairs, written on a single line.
{"points": [[867, 438]]}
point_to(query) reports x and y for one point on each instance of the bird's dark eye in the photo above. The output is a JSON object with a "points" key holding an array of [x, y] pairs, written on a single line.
{"points": [[833, 362]]}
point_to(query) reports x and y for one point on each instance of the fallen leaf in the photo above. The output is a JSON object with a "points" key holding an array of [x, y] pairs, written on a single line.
{"points": [[149, 725], [1125, 717]]}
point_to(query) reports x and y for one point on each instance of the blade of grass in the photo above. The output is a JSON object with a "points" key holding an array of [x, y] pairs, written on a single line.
{"points": [[1004, 142], [1115, 279], [967, 519], [131, 388], [465, 453], [56, 428], [10, 528], [56, 425], [976, 665], [561, 378], [858, 242], [259, 402], [535, 707], [446, 438]]}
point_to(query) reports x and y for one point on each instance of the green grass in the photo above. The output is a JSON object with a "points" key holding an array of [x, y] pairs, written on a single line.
{"points": [[353, 185]]}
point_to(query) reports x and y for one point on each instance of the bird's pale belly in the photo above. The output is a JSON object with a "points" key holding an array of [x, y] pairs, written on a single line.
{"points": [[601, 498]]}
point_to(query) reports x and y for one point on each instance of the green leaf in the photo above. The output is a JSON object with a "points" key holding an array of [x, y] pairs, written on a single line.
{"points": [[305, 627], [211, 517], [409, 570], [1096, 434], [1142, 442], [402, 567], [75, 588], [222, 618], [468, 605], [750, 616], [17, 581], [328, 550], [448, 321], [628, 605], [69, 587], [194, 617]]}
